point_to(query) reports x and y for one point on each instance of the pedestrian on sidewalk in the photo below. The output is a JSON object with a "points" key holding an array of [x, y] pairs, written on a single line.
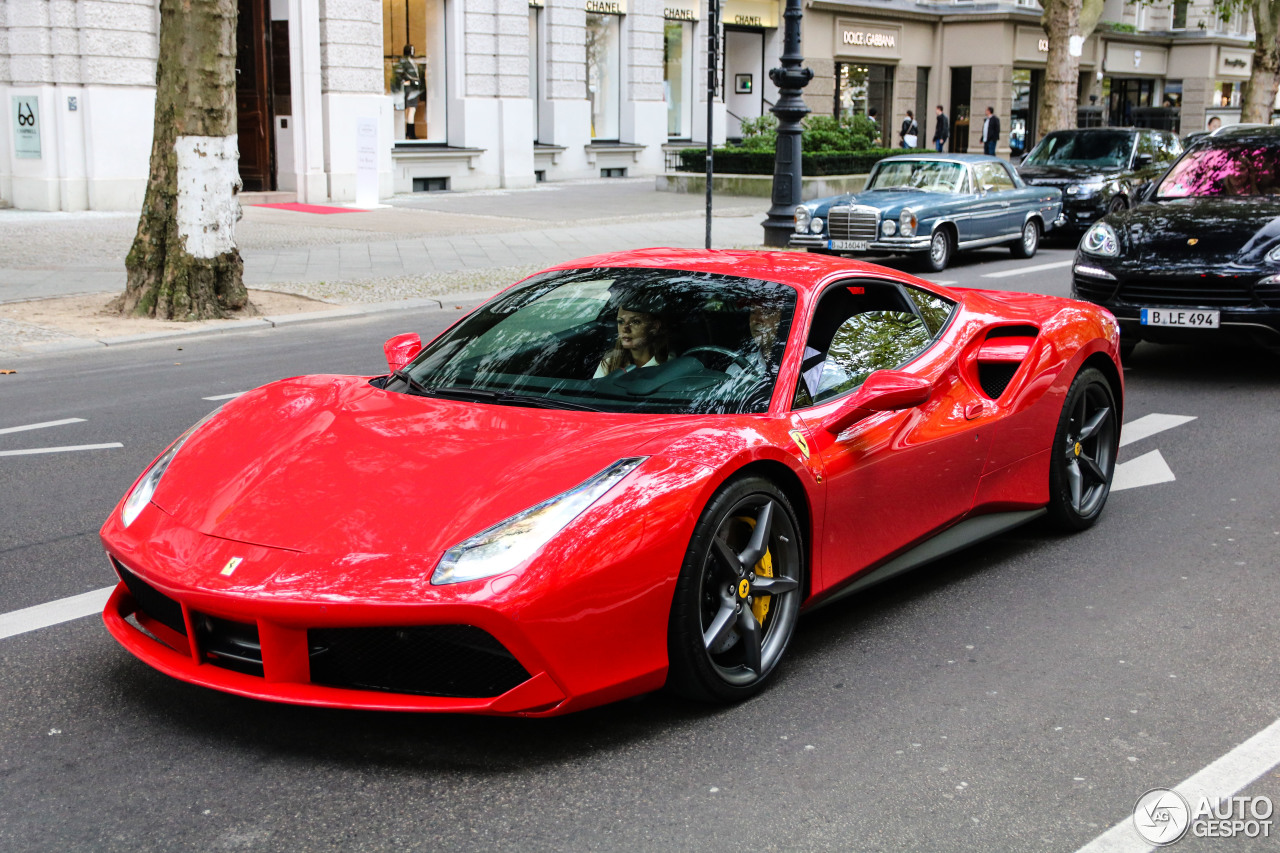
{"points": [[990, 131], [941, 129], [909, 135]]}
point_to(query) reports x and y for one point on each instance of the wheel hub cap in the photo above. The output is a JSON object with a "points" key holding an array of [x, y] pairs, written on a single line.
{"points": [[744, 588]]}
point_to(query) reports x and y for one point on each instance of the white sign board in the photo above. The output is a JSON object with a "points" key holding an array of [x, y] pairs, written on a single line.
{"points": [[367, 162], [26, 127]]}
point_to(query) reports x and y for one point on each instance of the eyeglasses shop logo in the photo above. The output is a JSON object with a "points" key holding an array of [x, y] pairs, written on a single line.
{"points": [[1163, 817]]}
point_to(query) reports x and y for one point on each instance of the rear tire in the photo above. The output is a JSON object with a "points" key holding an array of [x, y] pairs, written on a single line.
{"points": [[726, 634], [1082, 461], [1029, 242]]}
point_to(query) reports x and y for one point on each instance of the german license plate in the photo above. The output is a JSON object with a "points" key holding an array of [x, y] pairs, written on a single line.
{"points": [[1180, 317], [849, 245]]}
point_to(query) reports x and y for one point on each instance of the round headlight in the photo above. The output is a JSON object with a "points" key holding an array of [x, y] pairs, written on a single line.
{"points": [[802, 219], [815, 225], [1101, 240], [907, 223], [1073, 189], [890, 228]]}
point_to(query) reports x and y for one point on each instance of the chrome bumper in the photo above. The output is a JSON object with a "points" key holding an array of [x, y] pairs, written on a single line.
{"points": [[886, 246]]}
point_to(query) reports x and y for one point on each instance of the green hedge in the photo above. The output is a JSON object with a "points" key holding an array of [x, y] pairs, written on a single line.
{"points": [[735, 161]]}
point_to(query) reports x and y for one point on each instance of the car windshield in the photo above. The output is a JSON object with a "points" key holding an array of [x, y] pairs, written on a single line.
{"points": [[938, 176], [1103, 149], [1240, 169], [620, 340]]}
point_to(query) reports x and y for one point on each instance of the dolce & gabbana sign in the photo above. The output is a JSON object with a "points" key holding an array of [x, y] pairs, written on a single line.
{"points": [[867, 40]]}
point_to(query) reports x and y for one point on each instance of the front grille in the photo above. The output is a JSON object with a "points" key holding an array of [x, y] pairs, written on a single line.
{"points": [[853, 223], [1093, 289], [230, 645], [1214, 291], [152, 601], [428, 660]]}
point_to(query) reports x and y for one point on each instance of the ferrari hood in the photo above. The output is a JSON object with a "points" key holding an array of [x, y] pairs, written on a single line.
{"points": [[331, 464], [1204, 232]]}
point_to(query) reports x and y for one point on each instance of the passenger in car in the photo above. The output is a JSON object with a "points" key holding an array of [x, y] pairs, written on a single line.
{"points": [[642, 342]]}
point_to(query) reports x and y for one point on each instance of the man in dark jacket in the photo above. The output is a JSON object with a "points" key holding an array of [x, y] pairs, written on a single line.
{"points": [[990, 131], [941, 129]]}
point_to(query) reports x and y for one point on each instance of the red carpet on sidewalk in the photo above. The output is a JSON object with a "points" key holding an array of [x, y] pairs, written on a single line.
{"points": [[309, 208]]}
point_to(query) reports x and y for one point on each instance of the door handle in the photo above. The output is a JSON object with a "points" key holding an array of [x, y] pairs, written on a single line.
{"points": [[974, 410]]}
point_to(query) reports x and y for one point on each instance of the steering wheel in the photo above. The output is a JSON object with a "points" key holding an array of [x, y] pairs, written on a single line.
{"points": [[734, 357]]}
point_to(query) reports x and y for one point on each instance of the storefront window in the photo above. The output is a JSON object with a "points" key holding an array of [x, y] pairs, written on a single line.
{"points": [[604, 77], [1124, 95], [866, 90], [413, 64], [1227, 94], [677, 77]]}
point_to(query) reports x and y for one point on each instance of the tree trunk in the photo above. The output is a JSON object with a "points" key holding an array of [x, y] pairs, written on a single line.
{"points": [[1064, 20], [184, 264], [1260, 91]]}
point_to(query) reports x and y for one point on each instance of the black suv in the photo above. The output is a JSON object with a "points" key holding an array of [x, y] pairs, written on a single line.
{"points": [[1099, 170]]}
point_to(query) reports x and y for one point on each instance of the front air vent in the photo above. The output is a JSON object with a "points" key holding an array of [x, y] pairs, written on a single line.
{"points": [[230, 645], [151, 601], [427, 660]]}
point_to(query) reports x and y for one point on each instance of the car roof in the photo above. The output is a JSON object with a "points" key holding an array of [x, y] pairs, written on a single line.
{"points": [[1239, 132], [802, 270]]}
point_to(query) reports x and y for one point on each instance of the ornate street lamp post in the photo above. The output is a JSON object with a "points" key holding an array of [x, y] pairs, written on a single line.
{"points": [[790, 110]]}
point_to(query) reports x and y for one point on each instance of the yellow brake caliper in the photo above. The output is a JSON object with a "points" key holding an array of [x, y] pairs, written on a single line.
{"points": [[764, 568]]}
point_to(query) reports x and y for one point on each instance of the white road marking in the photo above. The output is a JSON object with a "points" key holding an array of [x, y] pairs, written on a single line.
{"points": [[69, 449], [1149, 425], [1223, 778], [1147, 470], [222, 397], [1023, 270], [62, 422], [53, 613]]}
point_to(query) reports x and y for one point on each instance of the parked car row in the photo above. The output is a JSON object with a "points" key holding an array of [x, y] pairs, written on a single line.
{"points": [[1180, 244]]}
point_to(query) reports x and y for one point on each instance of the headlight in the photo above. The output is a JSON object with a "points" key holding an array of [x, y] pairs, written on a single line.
{"points": [[890, 228], [1084, 189], [802, 219], [1101, 240], [815, 225], [907, 223], [509, 543], [141, 493], [1274, 255]]}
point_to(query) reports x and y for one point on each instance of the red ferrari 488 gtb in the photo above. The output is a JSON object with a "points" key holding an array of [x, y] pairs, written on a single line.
{"points": [[625, 472]]}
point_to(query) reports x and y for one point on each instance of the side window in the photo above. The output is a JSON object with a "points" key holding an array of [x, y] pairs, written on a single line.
{"points": [[1147, 144], [857, 329], [993, 176], [935, 310], [1170, 148]]}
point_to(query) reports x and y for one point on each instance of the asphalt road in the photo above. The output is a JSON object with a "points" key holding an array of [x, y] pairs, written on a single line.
{"points": [[1018, 696]]}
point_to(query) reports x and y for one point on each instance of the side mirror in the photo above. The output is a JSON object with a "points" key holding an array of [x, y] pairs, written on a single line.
{"points": [[401, 350], [882, 391], [1142, 161]]}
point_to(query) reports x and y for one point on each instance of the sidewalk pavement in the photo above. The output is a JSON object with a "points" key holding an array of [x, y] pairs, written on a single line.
{"points": [[415, 247]]}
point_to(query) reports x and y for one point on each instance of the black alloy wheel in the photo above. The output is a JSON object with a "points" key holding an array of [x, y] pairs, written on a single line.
{"points": [[738, 594], [1029, 242], [1082, 462], [941, 248]]}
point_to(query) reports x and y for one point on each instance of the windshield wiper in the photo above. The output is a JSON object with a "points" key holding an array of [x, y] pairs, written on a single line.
{"points": [[414, 385], [483, 395]]}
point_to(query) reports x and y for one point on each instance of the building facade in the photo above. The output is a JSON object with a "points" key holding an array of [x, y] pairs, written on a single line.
{"points": [[346, 99]]}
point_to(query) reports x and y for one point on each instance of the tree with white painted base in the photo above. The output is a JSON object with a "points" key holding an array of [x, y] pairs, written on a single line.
{"points": [[184, 264]]}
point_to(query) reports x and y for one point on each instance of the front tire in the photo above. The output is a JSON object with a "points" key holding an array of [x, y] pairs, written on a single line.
{"points": [[1082, 461], [1029, 242], [738, 594], [941, 248], [1118, 204]]}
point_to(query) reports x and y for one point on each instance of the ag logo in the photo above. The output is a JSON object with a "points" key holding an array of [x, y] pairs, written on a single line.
{"points": [[1161, 816]]}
